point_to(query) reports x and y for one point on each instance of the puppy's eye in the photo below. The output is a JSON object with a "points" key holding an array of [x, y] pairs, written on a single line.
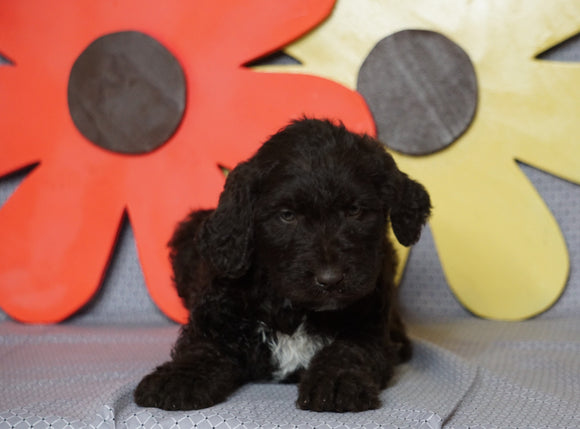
{"points": [[287, 216], [353, 211]]}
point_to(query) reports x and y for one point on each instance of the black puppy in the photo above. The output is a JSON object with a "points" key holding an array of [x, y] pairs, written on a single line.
{"points": [[291, 277]]}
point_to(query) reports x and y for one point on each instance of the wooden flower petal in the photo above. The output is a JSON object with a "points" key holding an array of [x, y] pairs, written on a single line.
{"points": [[58, 232], [502, 251]]}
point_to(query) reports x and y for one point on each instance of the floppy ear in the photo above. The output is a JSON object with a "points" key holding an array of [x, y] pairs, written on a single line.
{"points": [[225, 239], [410, 210], [408, 202]]}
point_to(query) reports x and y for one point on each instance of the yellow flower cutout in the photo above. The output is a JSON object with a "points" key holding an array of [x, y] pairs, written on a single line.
{"points": [[458, 94]]}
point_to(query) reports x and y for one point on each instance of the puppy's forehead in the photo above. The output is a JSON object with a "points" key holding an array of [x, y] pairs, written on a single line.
{"points": [[300, 149], [328, 174]]}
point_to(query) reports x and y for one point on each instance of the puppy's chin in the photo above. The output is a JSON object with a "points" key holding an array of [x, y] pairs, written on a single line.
{"points": [[319, 302], [330, 305]]}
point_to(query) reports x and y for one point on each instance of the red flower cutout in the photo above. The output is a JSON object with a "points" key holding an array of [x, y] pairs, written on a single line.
{"points": [[59, 228]]}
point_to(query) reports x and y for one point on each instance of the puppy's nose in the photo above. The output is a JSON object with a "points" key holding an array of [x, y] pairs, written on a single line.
{"points": [[329, 277]]}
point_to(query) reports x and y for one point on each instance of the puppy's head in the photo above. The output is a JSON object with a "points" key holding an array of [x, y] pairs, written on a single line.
{"points": [[311, 209]]}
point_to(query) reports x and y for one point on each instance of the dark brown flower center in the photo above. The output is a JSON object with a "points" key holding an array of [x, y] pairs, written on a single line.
{"points": [[127, 93], [421, 89]]}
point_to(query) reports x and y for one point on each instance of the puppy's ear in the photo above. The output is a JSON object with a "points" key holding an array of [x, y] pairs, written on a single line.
{"points": [[410, 211], [226, 237], [409, 203]]}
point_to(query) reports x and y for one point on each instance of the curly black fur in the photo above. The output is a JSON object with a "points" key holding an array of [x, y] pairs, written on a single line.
{"points": [[297, 249]]}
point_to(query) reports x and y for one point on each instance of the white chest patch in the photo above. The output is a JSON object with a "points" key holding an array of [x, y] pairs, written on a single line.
{"points": [[293, 352]]}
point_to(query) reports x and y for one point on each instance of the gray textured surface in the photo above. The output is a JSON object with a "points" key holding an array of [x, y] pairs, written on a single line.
{"points": [[87, 374], [466, 372]]}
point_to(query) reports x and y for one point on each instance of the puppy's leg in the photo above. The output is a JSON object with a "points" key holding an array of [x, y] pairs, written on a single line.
{"points": [[399, 337], [199, 376], [346, 376]]}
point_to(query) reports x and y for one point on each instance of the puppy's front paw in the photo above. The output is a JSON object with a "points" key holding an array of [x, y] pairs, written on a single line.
{"points": [[175, 390], [347, 390]]}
